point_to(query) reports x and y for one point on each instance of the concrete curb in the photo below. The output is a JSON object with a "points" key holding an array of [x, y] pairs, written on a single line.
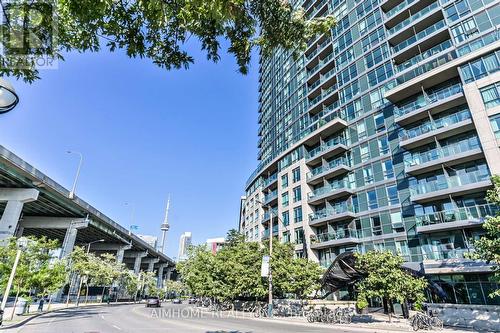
{"points": [[31, 317]]}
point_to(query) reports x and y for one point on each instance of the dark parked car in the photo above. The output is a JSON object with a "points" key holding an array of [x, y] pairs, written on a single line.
{"points": [[153, 302], [192, 300], [177, 301]]}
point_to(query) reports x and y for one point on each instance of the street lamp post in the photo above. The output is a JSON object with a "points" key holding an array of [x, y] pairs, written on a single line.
{"points": [[21, 245], [81, 280], [8, 96], [270, 288], [73, 189]]}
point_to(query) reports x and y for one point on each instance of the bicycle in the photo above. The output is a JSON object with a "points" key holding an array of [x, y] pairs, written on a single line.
{"points": [[421, 321]]}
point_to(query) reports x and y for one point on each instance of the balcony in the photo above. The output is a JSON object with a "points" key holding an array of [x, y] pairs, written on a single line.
{"points": [[334, 168], [415, 20], [334, 190], [270, 197], [431, 160], [445, 259], [334, 214], [447, 44], [336, 238], [398, 8], [327, 149], [439, 129], [445, 187], [464, 217], [270, 180], [418, 37], [434, 102], [434, 73], [267, 215]]}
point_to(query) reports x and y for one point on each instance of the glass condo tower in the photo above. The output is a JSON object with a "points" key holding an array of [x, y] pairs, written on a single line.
{"points": [[383, 135]]}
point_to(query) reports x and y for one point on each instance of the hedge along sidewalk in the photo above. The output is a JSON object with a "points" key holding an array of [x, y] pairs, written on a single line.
{"points": [[20, 320]]}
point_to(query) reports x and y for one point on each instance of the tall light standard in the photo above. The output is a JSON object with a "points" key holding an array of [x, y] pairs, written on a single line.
{"points": [[73, 189], [81, 280], [21, 243], [270, 291], [8, 96]]}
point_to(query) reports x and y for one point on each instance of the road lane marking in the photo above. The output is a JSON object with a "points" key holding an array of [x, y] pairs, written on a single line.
{"points": [[116, 327]]}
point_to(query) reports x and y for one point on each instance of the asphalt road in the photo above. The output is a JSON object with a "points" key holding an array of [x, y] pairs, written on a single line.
{"points": [[168, 318]]}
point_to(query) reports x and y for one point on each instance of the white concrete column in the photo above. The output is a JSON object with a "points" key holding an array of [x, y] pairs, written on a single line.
{"points": [[151, 263], [70, 237], [15, 198], [138, 260], [480, 116], [121, 252], [161, 268]]}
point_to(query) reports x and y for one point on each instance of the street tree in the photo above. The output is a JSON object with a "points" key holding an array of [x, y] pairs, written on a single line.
{"points": [[234, 271], [385, 279], [487, 248], [153, 29], [37, 255], [50, 278]]}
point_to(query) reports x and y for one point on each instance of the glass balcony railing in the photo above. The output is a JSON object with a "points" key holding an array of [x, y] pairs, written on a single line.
{"points": [[437, 153], [429, 252], [270, 179], [398, 8], [328, 212], [332, 187], [479, 42], [331, 165], [426, 67], [413, 18], [325, 146], [339, 234], [444, 182], [428, 99], [267, 214], [476, 212], [434, 125], [422, 34], [270, 196], [423, 56]]}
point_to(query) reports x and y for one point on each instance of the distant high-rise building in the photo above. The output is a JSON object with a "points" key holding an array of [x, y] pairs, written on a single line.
{"points": [[215, 244], [184, 243], [151, 240], [382, 135]]}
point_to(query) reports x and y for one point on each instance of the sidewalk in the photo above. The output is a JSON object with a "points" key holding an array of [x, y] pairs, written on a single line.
{"points": [[374, 322]]}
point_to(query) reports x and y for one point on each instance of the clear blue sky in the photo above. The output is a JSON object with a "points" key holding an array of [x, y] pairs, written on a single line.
{"points": [[144, 132]]}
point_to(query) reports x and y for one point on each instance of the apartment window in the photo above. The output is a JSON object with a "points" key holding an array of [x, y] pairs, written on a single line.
{"points": [[285, 216], [383, 145], [368, 175], [464, 30], [379, 74], [299, 235], [388, 169], [456, 10], [372, 199], [491, 95], [297, 214], [392, 195], [297, 194], [376, 225], [365, 153], [284, 181], [296, 174], [379, 122], [361, 128], [286, 237], [495, 125], [284, 199], [376, 56]]}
